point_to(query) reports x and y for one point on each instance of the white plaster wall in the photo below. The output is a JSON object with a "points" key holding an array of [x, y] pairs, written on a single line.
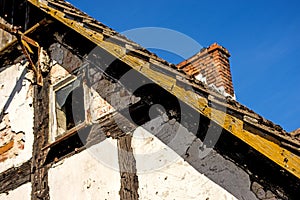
{"points": [[98, 106], [21, 193], [91, 174], [57, 72], [163, 174], [20, 109]]}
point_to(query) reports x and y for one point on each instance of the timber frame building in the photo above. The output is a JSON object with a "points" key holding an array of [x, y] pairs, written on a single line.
{"points": [[79, 118]]}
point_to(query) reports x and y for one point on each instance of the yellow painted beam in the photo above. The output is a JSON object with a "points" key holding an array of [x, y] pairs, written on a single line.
{"points": [[278, 154]]}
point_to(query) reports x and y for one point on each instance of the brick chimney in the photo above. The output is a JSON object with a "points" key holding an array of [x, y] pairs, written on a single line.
{"points": [[211, 66]]}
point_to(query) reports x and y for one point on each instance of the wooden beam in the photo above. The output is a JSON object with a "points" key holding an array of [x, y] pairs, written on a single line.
{"points": [[66, 135], [30, 30], [15, 177], [128, 172]]}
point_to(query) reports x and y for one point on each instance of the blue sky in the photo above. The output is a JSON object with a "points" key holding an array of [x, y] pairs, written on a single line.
{"points": [[263, 38]]}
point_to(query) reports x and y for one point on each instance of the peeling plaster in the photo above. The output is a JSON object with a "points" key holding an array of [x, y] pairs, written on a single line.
{"points": [[16, 102]]}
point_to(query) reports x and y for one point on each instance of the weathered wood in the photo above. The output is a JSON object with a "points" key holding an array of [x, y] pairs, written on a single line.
{"points": [[39, 176], [67, 134], [113, 125], [127, 165], [15, 177], [116, 125]]}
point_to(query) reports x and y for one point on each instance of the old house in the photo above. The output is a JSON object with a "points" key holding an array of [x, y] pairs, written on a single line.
{"points": [[88, 114]]}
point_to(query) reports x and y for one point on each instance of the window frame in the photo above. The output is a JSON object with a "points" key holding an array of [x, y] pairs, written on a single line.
{"points": [[53, 136]]}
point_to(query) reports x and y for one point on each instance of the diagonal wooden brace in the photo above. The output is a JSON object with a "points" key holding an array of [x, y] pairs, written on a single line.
{"points": [[24, 41]]}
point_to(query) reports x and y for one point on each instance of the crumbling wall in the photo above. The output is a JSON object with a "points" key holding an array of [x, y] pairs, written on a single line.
{"points": [[161, 157], [10, 142], [158, 159], [170, 176], [128, 155], [16, 119]]}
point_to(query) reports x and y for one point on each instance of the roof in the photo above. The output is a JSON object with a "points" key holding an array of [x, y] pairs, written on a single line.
{"points": [[266, 137]]}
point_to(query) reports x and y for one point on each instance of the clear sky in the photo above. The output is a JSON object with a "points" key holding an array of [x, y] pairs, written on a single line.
{"points": [[263, 38]]}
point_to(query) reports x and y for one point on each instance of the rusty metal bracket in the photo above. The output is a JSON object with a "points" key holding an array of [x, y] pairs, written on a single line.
{"points": [[24, 42]]}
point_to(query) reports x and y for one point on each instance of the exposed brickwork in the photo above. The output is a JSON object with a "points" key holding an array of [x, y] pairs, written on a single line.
{"points": [[212, 64], [11, 143]]}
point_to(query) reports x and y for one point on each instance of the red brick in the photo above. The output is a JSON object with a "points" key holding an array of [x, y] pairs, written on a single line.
{"points": [[212, 63]]}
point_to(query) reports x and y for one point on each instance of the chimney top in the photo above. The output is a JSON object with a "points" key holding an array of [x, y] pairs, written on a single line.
{"points": [[216, 46], [211, 66]]}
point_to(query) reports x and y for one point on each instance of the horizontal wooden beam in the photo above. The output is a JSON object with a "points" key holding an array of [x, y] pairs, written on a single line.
{"points": [[15, 177], [66, 135]]}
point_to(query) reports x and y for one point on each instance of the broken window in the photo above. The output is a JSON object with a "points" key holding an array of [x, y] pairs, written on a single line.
{"points": [[69, 106], [74, 105], [67, 109]]}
